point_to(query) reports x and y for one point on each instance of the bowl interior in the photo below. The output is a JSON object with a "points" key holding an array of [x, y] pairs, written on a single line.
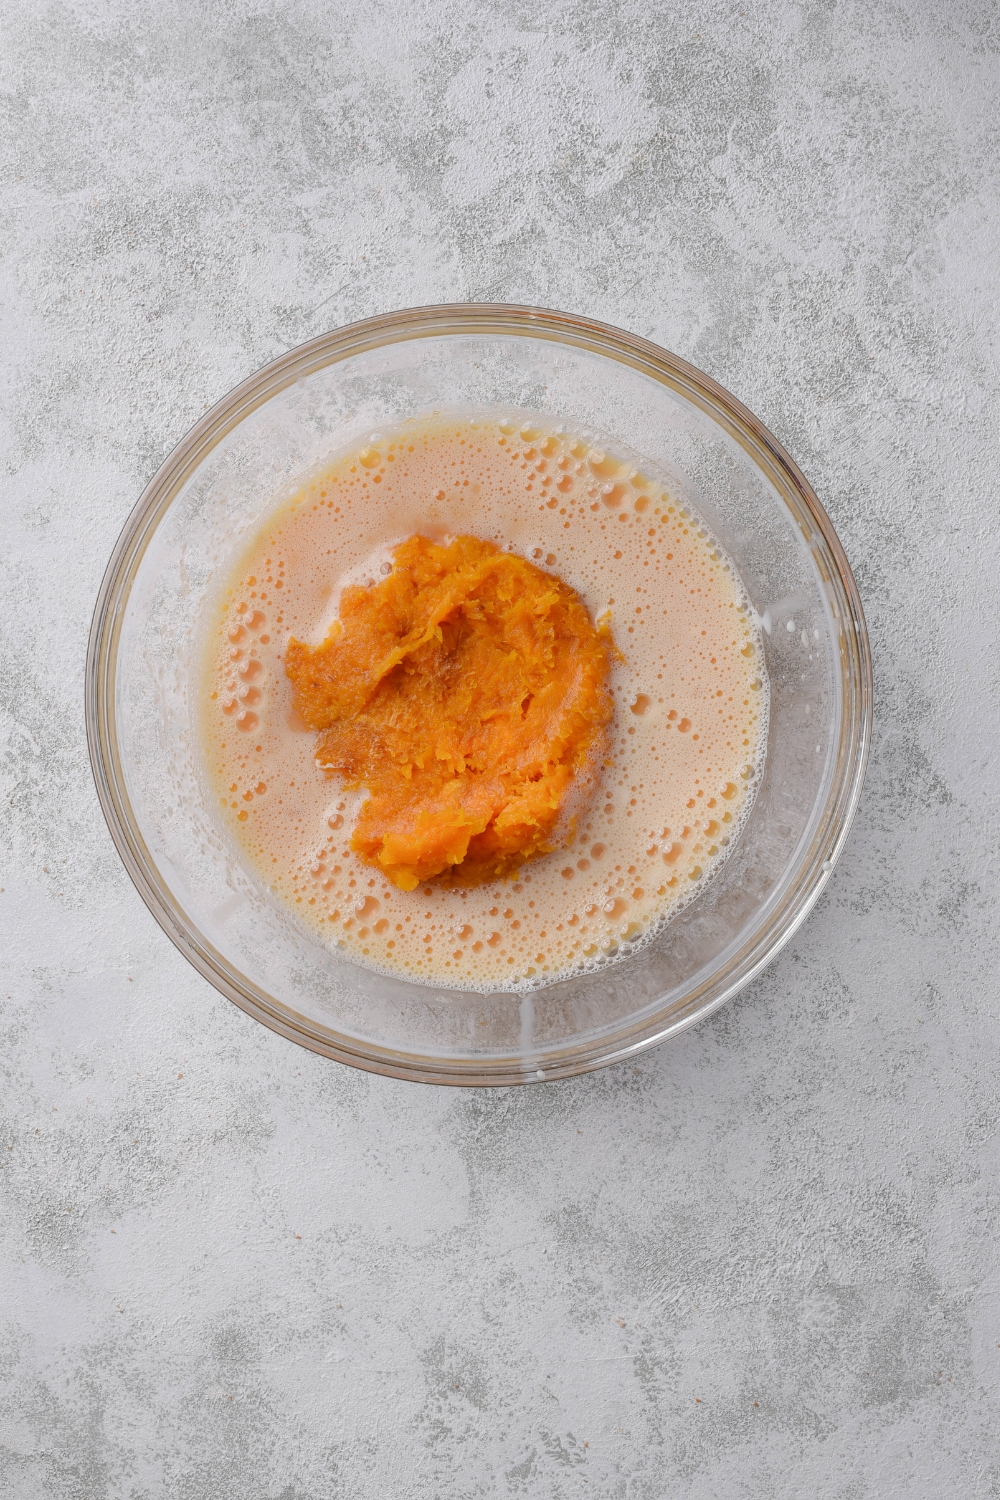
{"points": [[258, 446]]}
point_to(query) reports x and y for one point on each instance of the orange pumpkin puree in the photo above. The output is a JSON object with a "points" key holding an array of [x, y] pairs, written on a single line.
{"points": [[467, 692]]}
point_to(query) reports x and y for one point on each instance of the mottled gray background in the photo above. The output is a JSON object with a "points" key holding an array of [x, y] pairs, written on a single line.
{"points": [[761, 1262]]}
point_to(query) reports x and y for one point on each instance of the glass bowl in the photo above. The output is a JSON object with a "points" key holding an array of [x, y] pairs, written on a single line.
{"points": [[257, 445]]}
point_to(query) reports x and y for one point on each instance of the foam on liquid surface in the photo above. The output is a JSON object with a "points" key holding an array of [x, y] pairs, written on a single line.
{"points": [[690, 718]]}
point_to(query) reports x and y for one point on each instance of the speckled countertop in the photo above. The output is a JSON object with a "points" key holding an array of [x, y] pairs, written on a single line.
{"points": [[762, 1261]]}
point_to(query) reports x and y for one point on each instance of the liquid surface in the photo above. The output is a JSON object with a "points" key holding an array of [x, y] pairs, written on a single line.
{"points": [[466, 694], [689, 698]]}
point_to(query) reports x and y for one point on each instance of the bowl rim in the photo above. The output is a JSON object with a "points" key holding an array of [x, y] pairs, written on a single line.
{"points": [[449, 319]]}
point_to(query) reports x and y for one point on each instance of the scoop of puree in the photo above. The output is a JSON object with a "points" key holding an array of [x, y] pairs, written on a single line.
{"points": [[467, 692]]}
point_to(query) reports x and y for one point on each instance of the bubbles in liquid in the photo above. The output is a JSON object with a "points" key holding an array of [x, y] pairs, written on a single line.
{"points": [[686, 742]]}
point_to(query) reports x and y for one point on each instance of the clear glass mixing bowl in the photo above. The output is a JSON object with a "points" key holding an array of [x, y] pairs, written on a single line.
{"points": [[258, 444]]}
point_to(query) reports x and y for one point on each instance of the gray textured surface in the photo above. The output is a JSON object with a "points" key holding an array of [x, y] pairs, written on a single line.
{"points": [[763, 1261]]}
